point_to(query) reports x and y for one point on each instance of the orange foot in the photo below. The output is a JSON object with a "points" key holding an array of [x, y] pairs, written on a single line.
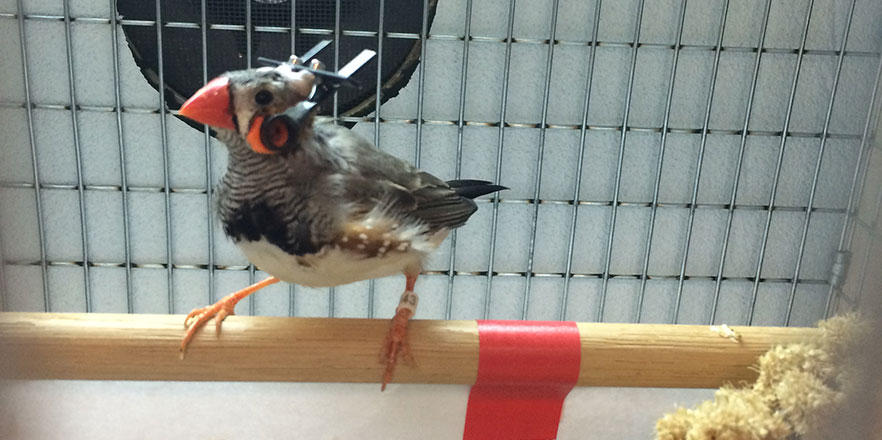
{"points": [[396, 339], [219, 311]]}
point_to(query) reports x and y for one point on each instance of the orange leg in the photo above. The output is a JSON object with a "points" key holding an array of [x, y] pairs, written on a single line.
{"points": [[396, 339], [219, 311]]}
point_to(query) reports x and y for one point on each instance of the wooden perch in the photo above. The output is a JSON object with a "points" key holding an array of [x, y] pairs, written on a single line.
{"points": [[145, 347]]}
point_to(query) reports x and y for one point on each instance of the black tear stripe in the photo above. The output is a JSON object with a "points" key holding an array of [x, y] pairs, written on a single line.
{"points": [[253, 220], [236, 122], [231, 107]]}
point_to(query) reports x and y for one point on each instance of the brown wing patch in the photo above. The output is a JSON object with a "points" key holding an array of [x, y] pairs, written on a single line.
{"points": [[371, 240]]}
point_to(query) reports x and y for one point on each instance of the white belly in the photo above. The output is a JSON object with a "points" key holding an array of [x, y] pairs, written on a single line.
{"points": [[330, 267]]}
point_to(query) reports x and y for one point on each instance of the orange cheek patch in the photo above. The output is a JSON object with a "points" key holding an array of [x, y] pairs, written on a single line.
{"points": [[253, 137]]}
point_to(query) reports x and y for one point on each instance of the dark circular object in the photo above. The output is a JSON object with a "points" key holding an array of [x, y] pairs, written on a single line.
{"points": [[279, 132], [277, 135], [263, 97], [227, 44]]}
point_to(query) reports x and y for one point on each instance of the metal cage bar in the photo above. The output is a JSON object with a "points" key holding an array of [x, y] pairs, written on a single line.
{"points": [[185, 190], [740, 162], [38, 200], [619, 165], [661, 149], [499, 151], [209, 191], [332, 292], [421, 86], [473, 123], [4, 287], [252, 304], [81, 197], [778, 163], [591, 275], [577, 185], [416, 36], [817, 173], [378, 99], [617, 200], [120, 138], [165, 168], [854, 197], [699, 164], [875, 226], [337, 33], [540, 153], [448, 305], [293, 29], [292, 293]]}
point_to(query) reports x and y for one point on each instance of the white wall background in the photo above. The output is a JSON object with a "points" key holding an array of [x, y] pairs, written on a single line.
{"points": [[173, 410], [179, 410]]}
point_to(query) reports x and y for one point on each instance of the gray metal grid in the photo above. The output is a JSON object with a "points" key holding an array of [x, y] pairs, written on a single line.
{"points": [[622, 37], [859, 271]]}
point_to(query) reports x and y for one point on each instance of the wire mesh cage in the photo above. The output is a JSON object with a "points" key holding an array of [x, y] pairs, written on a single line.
{"points": [[669, 161]]}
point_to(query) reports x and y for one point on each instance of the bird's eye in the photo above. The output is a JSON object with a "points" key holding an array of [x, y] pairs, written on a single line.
{"points": [[263, 97]]}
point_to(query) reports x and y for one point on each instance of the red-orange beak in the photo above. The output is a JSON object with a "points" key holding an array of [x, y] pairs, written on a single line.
{"points": [[210, 105]]}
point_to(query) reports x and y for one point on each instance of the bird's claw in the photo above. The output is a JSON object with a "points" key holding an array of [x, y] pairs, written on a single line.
{"points": [[197, 318], [395, 344]]}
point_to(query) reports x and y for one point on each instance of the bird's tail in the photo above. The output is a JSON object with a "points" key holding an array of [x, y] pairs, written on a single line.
{"points": [[471, 189]]}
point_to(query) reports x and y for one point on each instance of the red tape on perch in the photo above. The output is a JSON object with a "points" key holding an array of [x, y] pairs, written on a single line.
{"points": [[525, 371]]}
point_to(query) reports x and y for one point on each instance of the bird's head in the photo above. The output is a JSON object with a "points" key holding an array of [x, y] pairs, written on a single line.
{"points": [[236, 104]]}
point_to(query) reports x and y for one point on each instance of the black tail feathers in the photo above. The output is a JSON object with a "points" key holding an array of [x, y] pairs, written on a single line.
{"points": [[471, 189]]}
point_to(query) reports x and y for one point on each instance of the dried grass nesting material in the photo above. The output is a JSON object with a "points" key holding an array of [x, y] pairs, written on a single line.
{"points": [[800, 389], [734, 414]]}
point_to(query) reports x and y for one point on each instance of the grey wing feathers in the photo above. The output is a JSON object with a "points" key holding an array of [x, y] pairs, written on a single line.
{"points": [[442, 207], [410, 192], [449, 205]]}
